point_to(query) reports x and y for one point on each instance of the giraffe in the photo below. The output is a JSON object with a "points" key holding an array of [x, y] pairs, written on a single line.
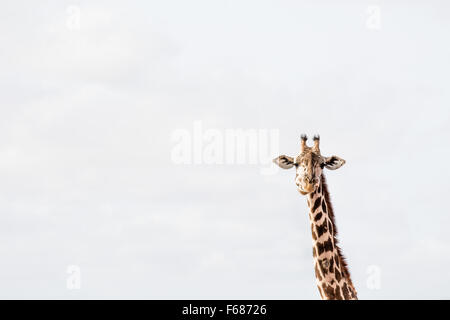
{"points": [[332, 275]]}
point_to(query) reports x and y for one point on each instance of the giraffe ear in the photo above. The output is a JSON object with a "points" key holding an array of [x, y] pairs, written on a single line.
{"points": [[333, 162], [284, 162]]}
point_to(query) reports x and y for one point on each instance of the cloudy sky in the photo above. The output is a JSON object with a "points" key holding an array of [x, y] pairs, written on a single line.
{"points": [[94, 92]]}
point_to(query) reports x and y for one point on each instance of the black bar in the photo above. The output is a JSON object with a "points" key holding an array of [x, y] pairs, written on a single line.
{"points": [[217, 309]]}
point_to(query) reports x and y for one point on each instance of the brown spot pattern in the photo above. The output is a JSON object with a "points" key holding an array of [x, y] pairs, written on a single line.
{"points": [[322, 229], [332, 274], [316, 204], [318, 216]]}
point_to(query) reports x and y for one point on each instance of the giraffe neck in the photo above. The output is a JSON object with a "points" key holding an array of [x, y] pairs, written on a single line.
{"points": [[332, 275]]}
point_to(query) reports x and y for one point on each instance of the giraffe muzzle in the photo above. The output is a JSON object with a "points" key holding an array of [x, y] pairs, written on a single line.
{"points": [[307, 188]]}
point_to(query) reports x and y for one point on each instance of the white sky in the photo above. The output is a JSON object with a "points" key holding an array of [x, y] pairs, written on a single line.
{"points": [[86, 117]]}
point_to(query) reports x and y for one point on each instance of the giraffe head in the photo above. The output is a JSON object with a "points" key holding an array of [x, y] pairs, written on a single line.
{"points": [[309, 165]]}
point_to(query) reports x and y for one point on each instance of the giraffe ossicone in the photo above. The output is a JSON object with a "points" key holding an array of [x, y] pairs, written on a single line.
{"points": [[331, 271]]}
